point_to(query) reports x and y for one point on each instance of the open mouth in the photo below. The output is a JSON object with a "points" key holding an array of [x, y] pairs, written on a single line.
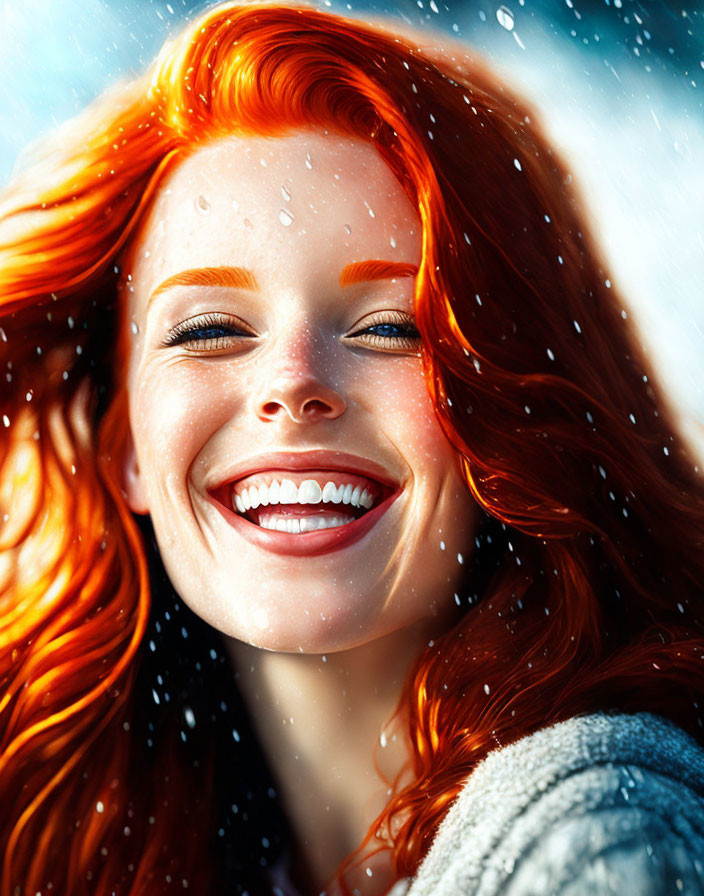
{"points": [[296, 502]]}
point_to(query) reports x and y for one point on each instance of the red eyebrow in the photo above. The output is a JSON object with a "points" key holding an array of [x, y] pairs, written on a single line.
{"points": [[364, 271], [240, 278]]}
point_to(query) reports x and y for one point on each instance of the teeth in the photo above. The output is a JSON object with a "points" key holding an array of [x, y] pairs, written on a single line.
{"points": [[305, 524], [310, 491], [288, 493], [329, 492]]}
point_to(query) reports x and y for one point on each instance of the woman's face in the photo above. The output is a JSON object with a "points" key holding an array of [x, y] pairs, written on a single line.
{"points": [[302, 493]]}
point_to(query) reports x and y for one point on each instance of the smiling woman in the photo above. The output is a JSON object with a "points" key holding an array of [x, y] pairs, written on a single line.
{"points": [[309, 315], [298, 371]]}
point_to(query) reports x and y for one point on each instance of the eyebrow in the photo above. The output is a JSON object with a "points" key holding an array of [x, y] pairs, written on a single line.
{"points": [[365, 271], [238, 278], [242, 278]]}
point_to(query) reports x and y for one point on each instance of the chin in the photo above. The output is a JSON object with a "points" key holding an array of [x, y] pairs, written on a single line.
{"points": [[316, 629]]}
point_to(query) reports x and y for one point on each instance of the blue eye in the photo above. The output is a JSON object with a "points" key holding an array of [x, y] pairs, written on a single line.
{"points": [[208, 332], [392, 330], [398, 334]]}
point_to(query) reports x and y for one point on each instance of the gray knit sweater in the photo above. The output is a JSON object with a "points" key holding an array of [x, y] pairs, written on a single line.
{"points": [[600, 804]]}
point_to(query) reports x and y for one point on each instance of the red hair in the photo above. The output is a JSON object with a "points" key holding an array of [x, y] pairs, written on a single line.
{"points": [[585, 590]]}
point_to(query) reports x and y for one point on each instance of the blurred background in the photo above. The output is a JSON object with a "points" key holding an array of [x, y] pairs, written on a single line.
{"points": [[618, 83]]}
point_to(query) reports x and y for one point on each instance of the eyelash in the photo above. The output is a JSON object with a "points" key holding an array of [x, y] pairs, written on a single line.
{"points": [[183, 333], [229, 328]]}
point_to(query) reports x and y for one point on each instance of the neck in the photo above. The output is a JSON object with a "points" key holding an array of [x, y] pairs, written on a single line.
{"points": [[325, 723]]}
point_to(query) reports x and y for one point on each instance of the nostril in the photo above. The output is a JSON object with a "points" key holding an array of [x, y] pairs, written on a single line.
{"points": [[315, 407], [271, 407]]}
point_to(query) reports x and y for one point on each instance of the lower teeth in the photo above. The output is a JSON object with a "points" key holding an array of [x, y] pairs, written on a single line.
{"points": [[302, 524]]}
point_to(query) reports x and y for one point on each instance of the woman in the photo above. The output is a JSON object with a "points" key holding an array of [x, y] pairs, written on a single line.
{"points": [[322, 309]]}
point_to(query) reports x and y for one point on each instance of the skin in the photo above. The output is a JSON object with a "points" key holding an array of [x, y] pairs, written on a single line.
{"points": [[340, 629], [302, 382]]}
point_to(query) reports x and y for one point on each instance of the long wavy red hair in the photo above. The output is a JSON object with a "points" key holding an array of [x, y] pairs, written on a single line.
{"points": [[586, 588]]}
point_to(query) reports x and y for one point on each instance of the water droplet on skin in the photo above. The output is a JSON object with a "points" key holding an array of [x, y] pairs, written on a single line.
{"points": [[235, 205], [518, 165], [202, 205], [134, 327], [348, 228], [286, 218], [309, 164], [286, 194], [504, 17], [393, 243]]}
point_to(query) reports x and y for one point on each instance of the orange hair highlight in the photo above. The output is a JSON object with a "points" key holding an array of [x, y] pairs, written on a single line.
{"points": [[585, 590]]}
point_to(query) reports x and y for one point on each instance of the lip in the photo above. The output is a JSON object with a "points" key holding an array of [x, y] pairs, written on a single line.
{"points": [[320, 541], [282, 461]]}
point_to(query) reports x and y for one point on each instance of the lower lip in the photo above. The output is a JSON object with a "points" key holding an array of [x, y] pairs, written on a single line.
{"points": [[307, 544]]}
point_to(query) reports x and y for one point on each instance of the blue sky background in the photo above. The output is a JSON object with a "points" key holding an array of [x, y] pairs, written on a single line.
{"points": [[619, 85]]}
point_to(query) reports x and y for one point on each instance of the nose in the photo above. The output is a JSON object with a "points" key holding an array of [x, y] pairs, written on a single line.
{"points": [[296, 374], [302, 397]]}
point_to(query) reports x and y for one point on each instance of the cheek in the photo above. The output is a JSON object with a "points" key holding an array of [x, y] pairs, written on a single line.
{"points": [[174, 411], [408, 416]]}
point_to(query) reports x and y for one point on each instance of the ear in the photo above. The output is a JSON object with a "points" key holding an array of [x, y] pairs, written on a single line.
{"points": [[132, 480]]}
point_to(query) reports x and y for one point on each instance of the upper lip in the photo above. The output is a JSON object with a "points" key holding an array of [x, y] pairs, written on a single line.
{"points": [[281, 461]]}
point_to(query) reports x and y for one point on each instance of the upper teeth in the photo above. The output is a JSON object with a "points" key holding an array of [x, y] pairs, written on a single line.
{"points": [[308, 492]]}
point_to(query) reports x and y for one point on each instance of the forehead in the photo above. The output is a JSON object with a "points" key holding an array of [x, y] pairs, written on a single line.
{"points": [[237, 200]]}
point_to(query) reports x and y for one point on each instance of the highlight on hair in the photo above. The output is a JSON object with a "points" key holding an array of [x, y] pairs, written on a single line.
{"points": [[585, 589]]}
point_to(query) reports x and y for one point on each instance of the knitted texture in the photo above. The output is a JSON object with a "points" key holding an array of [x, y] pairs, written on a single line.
{"points": [[600, 804]]}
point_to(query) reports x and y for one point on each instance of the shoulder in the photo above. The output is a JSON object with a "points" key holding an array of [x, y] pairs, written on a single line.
{"points": [[598, 804]]}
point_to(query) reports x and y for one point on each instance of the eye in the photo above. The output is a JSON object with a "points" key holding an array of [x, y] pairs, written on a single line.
{"points": [[209, 332], [390, 330]]}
